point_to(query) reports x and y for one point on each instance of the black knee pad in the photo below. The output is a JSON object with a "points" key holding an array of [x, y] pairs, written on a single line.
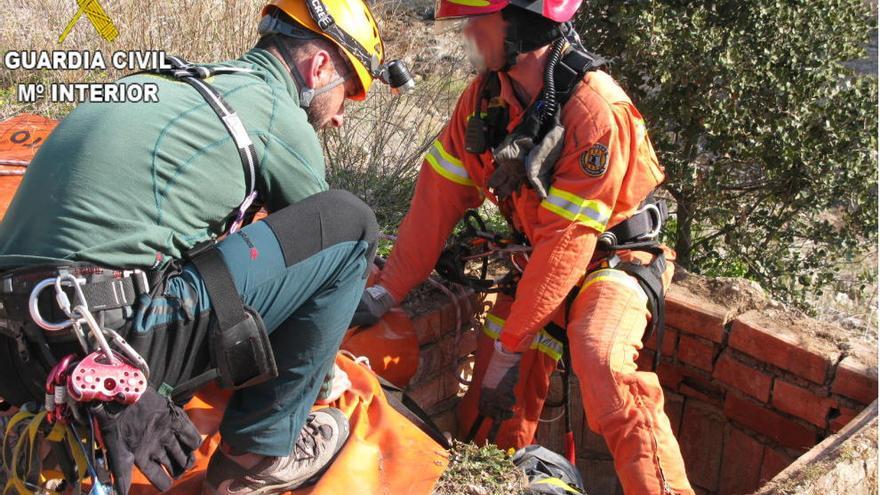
{"points": [[322, 220]]}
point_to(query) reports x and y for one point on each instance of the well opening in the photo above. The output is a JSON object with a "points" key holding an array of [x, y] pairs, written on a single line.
{"points": [[749, 388]]}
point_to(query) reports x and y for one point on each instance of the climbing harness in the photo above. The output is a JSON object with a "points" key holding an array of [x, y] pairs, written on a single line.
{"points": [[640, 232], [195, 76], [239, 347], [98, 372]]}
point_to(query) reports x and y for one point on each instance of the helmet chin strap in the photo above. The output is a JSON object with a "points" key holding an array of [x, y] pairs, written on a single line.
{"points": [[306, 94], [526, 32]]}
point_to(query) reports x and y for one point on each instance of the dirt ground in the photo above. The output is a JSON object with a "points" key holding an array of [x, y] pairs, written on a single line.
{"points": [[742, 296]]}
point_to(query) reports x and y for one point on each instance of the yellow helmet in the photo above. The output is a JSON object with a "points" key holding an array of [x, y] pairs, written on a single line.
{"points": [[347, 23]]}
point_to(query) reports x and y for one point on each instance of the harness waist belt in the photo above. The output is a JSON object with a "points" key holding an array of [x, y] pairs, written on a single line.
{"points": [[104, 288], [643, 226]]}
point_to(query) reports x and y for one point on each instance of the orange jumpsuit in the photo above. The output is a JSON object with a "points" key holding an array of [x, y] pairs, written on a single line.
{"points": [[606, 170]]}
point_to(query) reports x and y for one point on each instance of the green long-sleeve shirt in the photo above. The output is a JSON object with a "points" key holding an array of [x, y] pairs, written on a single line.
{"points": [[135, 184]]}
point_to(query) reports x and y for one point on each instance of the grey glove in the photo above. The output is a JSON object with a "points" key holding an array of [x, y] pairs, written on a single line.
{"points": [[510, 173], [541, 161], [496, 393], [375, 302]]}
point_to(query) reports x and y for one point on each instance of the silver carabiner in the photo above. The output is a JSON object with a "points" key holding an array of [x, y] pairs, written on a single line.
{"points": [[61, 296], [128, 351], [96, 331], [653, 210], [34, 310]]}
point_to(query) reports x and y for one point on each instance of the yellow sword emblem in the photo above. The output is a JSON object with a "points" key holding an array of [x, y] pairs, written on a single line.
{"points": [[97, 16]]}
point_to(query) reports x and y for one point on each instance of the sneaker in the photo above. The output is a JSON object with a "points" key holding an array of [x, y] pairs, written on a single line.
{"points": [[322, 437]]}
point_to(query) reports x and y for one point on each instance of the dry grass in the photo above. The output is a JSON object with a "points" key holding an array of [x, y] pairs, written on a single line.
{"points": [[194, 29]]}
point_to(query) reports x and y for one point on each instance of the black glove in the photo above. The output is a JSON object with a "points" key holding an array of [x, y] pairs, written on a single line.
{"points": [[153, 434], [375, 302], [497, 391]]}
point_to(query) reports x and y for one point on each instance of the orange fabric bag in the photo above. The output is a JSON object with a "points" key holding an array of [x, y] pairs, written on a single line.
{"points": [[385, 454], [20, 138], [391, 346]]}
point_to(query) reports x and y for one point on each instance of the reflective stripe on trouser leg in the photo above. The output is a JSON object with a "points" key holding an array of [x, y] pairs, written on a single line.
{"points": [[625, 406], [536, 368]]}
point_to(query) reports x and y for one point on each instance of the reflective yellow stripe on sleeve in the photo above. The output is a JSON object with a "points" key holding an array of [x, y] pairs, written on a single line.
{"points": [[614, 276], [543, 341], [447, 165], [592, 213], [492, 327]]}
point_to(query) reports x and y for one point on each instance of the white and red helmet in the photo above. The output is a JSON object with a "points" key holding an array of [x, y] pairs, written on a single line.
{"points": [[555, 10]]}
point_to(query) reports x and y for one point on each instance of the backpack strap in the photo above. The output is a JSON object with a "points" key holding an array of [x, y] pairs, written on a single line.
{"points": [[571, 70], [195, 76]]}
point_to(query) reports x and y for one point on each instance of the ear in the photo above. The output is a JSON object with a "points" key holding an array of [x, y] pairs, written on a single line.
{"points": [[318, 69]]}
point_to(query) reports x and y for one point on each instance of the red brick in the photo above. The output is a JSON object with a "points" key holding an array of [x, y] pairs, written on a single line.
{"points": [[674, 407], [774, 463], [695, 315], [434, 391], [593, 444], [441, 356], [741, 464], [730, 371], [697, 352], [441, 320], [802, 403], [702, 389], [856, 380], [778, 346], [599, 475], [702, 432], [670, 375], [429, 327], [784, 431], [669, 341], [645, 361], [842, 418]]}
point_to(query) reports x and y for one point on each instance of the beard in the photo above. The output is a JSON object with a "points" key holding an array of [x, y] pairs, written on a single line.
{"points": [[474, 56], [319, 113]]}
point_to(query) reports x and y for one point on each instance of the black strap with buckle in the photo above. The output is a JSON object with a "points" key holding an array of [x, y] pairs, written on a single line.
{"points": [[195, 76], [638, 232], [241, 354], [650, 279]]}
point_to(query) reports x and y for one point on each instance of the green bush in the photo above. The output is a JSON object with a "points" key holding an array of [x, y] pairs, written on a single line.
{"points": [[768, 139]]}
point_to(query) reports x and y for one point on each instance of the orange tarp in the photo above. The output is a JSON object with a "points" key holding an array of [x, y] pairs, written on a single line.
{"points": [[20, 138], [391, 346], [385, 454]]}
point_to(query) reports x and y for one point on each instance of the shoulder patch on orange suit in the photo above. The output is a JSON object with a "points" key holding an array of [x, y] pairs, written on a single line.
{"points": [[594, 161]]}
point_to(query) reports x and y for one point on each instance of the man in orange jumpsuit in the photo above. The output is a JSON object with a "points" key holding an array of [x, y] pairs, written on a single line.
{"points": [[596, 170]]}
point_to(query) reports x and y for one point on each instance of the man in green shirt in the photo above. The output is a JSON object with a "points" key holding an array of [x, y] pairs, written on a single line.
{"points": [[134, 187]]}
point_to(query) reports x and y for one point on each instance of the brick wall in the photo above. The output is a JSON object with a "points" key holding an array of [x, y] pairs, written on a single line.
{"points": [[746, 394], [447, 336]]}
